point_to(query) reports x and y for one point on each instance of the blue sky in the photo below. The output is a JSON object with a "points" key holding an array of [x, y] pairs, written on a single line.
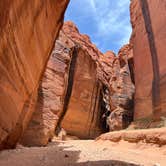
{"points": [[107, 22]]}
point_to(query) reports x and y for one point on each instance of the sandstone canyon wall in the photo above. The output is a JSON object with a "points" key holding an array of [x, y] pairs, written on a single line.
{"points": [[122, 90], [115, 75], [51, 94], [69, 93], [28, 30], [148, 19], [81, 91], [82, 117], [83, 114]]}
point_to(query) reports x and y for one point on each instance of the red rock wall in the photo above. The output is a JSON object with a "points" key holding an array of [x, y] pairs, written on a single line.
{"points": [[112, 75], [83, 115], [82, 118], [115, 73], [67, 92], [28, 29], [148, 19], [51, 94]]}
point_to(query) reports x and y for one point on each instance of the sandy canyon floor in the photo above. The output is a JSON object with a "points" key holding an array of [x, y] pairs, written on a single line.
{"points": [[85, 153]]}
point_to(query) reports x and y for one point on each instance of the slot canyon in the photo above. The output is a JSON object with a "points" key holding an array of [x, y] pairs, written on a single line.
{"points": [[63, 102]]}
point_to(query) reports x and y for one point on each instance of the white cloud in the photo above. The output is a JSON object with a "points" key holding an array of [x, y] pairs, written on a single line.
{"points": [[110, 21], [110, 17], [122, 3], [93, 5]]}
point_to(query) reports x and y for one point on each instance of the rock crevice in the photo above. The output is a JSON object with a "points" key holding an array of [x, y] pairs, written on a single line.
{"points": [[70, 83]]}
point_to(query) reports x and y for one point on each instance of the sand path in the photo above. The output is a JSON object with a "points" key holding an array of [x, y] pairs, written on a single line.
{"points": [[85, 153]]}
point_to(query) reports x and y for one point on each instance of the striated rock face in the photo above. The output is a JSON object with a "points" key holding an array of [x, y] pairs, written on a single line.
{"points": [[118, 77], [82, 117], [28, 29], [68, 95], [83, 114], [149, 37], [51, 94]]}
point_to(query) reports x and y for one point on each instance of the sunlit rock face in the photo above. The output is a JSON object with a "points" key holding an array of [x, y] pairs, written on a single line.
{"points": [[82, 117], [83, 114], [148, 38], [51, 94], [115, 73], [28, 30], [68, 95]]}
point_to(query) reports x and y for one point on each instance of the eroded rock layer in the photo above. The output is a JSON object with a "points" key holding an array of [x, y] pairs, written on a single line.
{"points": [[51, 94], [83, 113], [28, 30], [148, 39], [144, 136], [115, 72]]}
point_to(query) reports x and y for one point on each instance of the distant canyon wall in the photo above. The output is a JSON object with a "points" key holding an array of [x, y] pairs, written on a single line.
{"points": [[28, 30]]}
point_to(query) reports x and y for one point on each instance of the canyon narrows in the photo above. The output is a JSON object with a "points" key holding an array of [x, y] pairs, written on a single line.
{"points": [[57, 86], [83, 91]]}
